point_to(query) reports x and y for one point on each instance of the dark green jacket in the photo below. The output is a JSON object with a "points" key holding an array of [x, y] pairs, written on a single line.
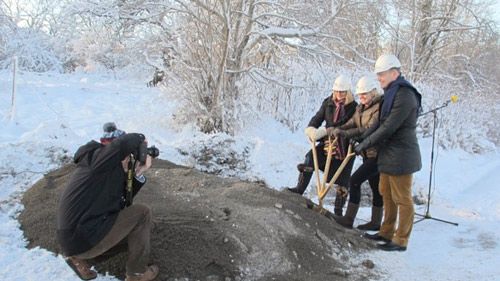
{"points": [[396, 137]]}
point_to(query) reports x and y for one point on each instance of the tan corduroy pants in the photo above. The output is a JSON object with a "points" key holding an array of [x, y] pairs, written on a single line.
{"points": [[398, 202], [133, 223]]}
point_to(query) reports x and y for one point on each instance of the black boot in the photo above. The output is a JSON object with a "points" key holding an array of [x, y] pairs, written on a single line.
{"points": [[304, 179], [374, 223], [350, 214], [340, 198], [391, 246], [376, 237]]}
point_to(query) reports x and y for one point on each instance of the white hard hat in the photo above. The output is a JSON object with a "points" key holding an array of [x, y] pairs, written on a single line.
{"points": [[366, 84], [386, 62], [342, 83]]}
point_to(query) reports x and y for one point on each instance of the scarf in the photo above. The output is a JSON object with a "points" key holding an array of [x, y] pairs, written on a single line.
{"points": [[390, 94], [338, 115]]}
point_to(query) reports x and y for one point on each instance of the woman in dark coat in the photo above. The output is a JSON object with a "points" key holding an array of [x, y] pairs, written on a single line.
{"points": [[334, 111]]}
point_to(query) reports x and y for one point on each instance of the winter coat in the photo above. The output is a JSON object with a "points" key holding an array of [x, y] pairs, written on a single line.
{"points": [[94, 195], [327, 110], [326, 113], [395, 136], [364, 117]]}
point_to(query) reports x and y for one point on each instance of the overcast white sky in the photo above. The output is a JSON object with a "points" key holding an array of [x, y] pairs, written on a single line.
{"points": [[497, 11]]}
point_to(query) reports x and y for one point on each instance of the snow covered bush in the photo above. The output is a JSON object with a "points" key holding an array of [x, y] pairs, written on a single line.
{"points": [[218, 154], [34, 50]]}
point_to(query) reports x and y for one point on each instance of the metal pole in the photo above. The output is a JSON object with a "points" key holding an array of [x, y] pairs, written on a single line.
{"points": [[427, 214]]}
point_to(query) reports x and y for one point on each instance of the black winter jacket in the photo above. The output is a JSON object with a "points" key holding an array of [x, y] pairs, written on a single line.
{"points": [[396, 138], [94, 196], [326, 112]]}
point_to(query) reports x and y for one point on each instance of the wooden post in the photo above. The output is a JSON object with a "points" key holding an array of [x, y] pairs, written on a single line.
{"points": [[13, 100]]}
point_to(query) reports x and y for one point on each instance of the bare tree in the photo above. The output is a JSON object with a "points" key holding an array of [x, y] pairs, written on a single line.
{"points": [[445, 44], [228, 58], [223, 42], [422, 32]]}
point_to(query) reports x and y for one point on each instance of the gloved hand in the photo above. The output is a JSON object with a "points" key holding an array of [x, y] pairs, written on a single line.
{"points": [[358, 148], [330, 131], [354, 140], [320, 133], [310, 133], [336, 132]]}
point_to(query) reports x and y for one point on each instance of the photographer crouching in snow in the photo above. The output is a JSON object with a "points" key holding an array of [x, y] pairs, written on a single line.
{"points": [[95, 210]]}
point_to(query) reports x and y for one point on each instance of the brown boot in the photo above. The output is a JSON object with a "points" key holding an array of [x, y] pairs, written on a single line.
{"points": [[82, 268], [350, 214], [376, 220], [150, 274], [340, 198]]}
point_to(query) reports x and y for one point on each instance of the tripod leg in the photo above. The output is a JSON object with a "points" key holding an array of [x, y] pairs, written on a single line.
{"points": [[417, 221], [454, 223], [427, 212], [428, 216]]}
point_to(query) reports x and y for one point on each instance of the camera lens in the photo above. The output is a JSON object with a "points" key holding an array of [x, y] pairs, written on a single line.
{"points": [[153, 151]]}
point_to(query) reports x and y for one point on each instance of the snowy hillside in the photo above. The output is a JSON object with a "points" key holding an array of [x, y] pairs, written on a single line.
{"points": [[55, 113]]}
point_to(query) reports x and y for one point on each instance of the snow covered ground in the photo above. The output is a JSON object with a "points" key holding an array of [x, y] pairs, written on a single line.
{"points": [[54, 114]]}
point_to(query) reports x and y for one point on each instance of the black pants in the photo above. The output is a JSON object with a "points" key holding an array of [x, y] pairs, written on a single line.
{"points": [[342, 180], [367, 171]]}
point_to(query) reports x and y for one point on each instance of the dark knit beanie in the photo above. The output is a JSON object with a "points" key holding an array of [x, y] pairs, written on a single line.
{"points": [[110, 133]]}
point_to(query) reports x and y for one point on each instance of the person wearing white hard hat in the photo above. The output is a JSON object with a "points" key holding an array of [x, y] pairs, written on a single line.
{"points": [[398, 153], [365, 116], [335, 110]]}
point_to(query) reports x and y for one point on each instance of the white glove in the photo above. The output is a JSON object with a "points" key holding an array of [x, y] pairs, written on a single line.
{"points": [[310, 133], [320, 133]]}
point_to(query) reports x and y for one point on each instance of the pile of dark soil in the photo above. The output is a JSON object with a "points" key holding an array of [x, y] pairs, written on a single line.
{"points": [[212, 228]]}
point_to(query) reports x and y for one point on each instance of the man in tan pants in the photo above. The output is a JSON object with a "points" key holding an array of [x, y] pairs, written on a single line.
{"points": [[398, 152], [396, 190]]}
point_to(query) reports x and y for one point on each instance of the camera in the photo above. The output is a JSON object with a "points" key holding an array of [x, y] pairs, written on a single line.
{"points": [[144, 151]]}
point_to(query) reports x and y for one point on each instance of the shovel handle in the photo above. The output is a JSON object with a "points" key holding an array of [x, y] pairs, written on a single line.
{"points": [[316, 166], [346, 160], [328, 164]]}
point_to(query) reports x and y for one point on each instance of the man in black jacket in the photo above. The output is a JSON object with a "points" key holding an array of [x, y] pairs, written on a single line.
{"points": [[398, 153], [93, 215]]}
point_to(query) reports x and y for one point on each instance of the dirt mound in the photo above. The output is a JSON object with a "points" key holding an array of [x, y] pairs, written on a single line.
{"points": [[212, 228]]}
